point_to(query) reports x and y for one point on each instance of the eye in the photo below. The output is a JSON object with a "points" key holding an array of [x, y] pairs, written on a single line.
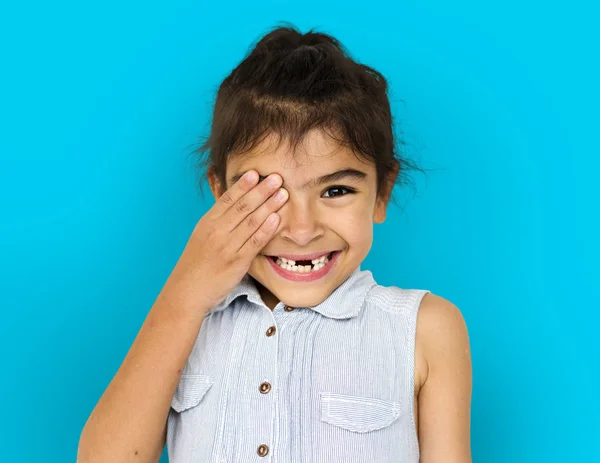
{"points": [[336, 191]]}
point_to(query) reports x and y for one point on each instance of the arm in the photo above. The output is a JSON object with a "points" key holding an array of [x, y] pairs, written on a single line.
{"points": [[444, 400], [129, 421]]}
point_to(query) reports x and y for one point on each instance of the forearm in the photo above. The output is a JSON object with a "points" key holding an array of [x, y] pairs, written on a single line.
{"points": [[129, 421]]}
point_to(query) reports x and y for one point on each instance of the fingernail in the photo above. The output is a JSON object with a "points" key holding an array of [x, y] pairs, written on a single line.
{"points": [[274, 180], [250, 176], [280, 194]]}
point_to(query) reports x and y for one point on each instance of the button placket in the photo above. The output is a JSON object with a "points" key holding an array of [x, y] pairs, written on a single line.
{"points": [[264, 388]]}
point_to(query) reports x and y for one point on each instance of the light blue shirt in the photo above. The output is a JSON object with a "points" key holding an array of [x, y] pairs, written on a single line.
{"points": [[331, 383]]}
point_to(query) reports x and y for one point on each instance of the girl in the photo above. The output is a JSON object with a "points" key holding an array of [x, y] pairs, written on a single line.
{"points": [[268, 341]]}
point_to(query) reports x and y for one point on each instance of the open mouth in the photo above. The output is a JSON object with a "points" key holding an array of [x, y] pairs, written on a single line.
{"points": [[303, 266], [304, 271]]}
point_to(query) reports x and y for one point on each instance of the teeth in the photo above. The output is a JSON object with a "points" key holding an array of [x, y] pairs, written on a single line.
{"points": [[290, 265], [320, 259]]}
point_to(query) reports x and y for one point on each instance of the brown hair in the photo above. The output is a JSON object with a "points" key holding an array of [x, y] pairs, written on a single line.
{"points": [[290, 83]]}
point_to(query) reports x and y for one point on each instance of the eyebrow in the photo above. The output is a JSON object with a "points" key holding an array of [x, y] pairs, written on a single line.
{"points": [[343, 174]]}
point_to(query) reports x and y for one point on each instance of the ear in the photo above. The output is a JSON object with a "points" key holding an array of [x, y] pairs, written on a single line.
{"points": [[383, 199], [215, 184]]}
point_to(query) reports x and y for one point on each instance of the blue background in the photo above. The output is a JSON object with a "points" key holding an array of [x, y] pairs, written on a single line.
{"points": [[102, 102]]}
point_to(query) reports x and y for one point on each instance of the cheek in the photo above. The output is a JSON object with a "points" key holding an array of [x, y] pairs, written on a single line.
{"points": [[355, 227]]}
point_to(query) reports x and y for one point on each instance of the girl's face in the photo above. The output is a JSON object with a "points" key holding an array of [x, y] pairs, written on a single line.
{"points": [[318, 217]]}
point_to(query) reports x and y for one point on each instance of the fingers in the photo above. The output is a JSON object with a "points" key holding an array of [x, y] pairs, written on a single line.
{"points": [[260, 237], [248, 203], [233, 194], [256, 230]]}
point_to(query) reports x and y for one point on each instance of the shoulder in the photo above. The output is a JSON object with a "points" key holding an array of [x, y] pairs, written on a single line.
{"points": [[441, 335], [440, 317]]}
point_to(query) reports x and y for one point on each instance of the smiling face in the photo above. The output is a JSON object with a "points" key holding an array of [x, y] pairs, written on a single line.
{"points": [[322, 214]]}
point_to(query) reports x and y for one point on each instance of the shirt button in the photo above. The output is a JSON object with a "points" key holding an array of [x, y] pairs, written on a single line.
{"points": [[264, 387], [271, 331], [287, 308], [262, 450]]}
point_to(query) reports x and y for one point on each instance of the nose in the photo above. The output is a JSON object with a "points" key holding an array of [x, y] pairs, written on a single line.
{"points": [[300, 222]]}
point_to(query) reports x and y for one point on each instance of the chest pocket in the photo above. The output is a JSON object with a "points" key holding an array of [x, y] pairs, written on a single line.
{"points": [[190, 391], [357, 413]]}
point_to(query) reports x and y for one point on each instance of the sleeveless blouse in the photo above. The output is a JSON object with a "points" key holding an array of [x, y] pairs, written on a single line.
{"points": [[330, 383]]}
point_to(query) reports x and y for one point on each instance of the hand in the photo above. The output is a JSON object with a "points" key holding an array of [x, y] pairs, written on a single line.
{"points": [[229, 236]]}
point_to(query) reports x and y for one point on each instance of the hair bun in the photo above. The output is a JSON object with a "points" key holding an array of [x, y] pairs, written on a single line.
{"points": [[286, 40]]}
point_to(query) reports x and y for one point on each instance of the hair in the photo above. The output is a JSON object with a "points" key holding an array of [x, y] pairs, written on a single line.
{"points": [[290, 83]]}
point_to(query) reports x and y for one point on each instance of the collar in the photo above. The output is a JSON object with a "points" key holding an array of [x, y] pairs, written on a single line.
{"points": [[345, 301]]}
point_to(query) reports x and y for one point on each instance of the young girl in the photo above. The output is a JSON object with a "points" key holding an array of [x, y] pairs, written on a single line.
{"points": [[269, 342]]}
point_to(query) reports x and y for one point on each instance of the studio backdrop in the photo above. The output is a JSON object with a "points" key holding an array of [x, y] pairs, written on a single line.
{"points": [[102, 103]]}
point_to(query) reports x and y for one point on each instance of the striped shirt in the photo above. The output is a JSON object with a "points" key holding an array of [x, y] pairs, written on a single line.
{"points": [[330, 383]]}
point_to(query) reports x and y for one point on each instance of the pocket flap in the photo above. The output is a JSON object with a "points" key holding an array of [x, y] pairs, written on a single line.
{"points": [[358, 414], [190, 390]]}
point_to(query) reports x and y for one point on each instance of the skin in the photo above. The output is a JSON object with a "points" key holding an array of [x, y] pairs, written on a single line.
{"points": [[327, 217]]}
